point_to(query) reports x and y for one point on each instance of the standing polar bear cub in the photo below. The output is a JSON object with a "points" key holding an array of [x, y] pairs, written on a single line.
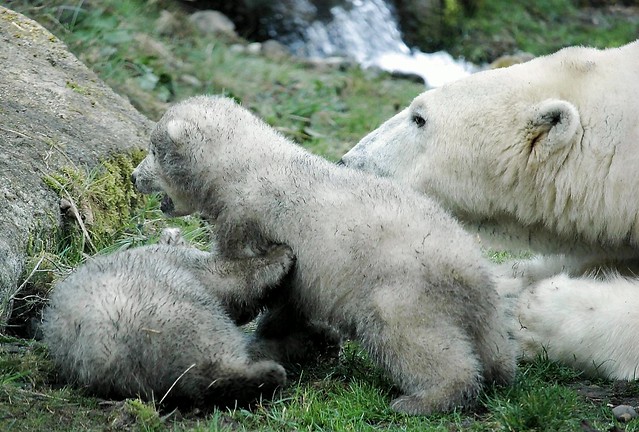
{"points": [[542, 155], [161, 320], [383, 265]]}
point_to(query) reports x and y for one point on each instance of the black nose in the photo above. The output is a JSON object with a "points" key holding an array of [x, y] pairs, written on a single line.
{"points": [[340, 162], [133, 177]]}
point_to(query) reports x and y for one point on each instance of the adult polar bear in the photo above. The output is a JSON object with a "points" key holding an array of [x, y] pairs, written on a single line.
{"points": [[542, 155]]}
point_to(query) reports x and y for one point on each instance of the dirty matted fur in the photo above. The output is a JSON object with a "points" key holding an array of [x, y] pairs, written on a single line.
{"points": [[383, 265], [161, 320]]}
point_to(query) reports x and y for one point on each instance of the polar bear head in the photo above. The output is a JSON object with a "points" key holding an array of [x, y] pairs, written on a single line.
{"points": [[194, 150], [542, 143], [178, 152]]}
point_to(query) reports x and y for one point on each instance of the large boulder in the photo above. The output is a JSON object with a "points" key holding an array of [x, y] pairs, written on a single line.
{"points": [[54, 113]]}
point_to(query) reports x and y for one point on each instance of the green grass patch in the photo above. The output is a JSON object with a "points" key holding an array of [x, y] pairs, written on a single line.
{"points": [[539, 27]]}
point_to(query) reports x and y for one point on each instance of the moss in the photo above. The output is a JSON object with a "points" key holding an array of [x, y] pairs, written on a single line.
{"points": [[77, 88], [146, 416], [97, 203], [105, 201]]}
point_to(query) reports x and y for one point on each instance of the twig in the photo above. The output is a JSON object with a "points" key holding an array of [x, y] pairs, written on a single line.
{"points": [[175, 382], [13, 296], [76, 213], [49, 143]]}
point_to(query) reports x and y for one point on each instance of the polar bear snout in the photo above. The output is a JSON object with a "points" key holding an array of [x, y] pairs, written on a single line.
{"points": [[145, 178], [357, 159]]}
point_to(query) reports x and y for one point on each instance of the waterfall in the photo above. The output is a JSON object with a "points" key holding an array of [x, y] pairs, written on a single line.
{"points": [[367, 32]]}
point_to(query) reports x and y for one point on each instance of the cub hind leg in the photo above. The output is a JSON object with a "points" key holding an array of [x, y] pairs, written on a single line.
{"points": [[212, 363], [427, 353], [435, 366], [239, 382], [493, 334]]}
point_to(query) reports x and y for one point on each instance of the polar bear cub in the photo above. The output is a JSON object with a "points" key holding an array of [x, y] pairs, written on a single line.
{"points": [[161, 321], [539, 156], [383, 265]]}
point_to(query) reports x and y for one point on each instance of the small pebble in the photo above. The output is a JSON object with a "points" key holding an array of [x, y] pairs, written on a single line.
{"points": [[624, 413]]}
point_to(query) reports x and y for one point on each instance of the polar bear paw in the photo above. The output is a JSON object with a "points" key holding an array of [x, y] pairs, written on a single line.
{"points": [[172, 237]]}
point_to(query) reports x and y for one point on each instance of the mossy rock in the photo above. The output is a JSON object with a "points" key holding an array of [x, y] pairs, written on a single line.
{"points": [[56, 116]]}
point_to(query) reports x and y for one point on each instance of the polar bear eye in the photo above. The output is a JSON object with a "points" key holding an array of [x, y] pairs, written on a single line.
{"points": [[418, 120]]}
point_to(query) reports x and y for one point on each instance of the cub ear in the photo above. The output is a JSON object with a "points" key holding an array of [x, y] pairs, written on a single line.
{"points": [[554, 125], [176, 130]]}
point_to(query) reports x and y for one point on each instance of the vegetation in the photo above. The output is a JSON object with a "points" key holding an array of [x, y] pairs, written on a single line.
{"points": [[498, 27], [135, 49]]}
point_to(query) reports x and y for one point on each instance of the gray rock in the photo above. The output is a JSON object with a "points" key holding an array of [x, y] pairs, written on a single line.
{"points": [[624, 413], [213, 22], [54, 112], [274, 50]]}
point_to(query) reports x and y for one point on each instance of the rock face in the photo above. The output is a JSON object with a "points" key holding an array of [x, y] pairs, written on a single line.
{"points": [[54, 112]]}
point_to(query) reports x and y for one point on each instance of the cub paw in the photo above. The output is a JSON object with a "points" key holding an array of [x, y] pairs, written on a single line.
{"points": [[172, 237], [283, 255], [412, 404], [269, 375]]}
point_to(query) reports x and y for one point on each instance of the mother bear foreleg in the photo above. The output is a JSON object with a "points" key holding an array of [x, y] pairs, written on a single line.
{"points": [[583, 322]]}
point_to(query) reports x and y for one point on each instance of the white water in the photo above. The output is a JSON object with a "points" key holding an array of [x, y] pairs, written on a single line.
{"points": [[368, 33]]}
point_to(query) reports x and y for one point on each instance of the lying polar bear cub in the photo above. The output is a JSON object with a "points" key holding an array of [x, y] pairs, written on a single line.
{"points": [[543, 156], [384, 265], [161, 321]]}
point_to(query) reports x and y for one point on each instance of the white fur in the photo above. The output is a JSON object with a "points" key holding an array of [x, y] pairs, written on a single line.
{"points": [[383, 265], [540, 156], [588, 323], [161, 321]]}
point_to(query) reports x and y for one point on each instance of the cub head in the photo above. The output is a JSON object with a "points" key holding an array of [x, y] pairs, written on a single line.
{"points": [[177, 142], [483, 146], [196, 144]]}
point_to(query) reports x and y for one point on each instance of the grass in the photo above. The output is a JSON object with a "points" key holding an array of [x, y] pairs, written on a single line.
{"points": [[325, 110], [539, 27]]}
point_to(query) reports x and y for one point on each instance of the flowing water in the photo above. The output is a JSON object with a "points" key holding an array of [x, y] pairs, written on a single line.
{"points": [[367, 32]]}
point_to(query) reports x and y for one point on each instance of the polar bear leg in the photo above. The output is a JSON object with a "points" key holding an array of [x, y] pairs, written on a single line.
{"points": [[241, 383], [497, 351], [221, 370], [586, 323], [258, 276], [285, 334], [435, 364], [544, 266]]}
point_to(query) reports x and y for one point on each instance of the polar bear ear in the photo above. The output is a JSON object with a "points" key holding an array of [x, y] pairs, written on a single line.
{"points": [[175, 130], [553, 127]]}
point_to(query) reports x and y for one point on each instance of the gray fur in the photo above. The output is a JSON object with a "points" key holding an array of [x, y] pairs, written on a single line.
{"points": [[135, 322], [384, 265]]}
